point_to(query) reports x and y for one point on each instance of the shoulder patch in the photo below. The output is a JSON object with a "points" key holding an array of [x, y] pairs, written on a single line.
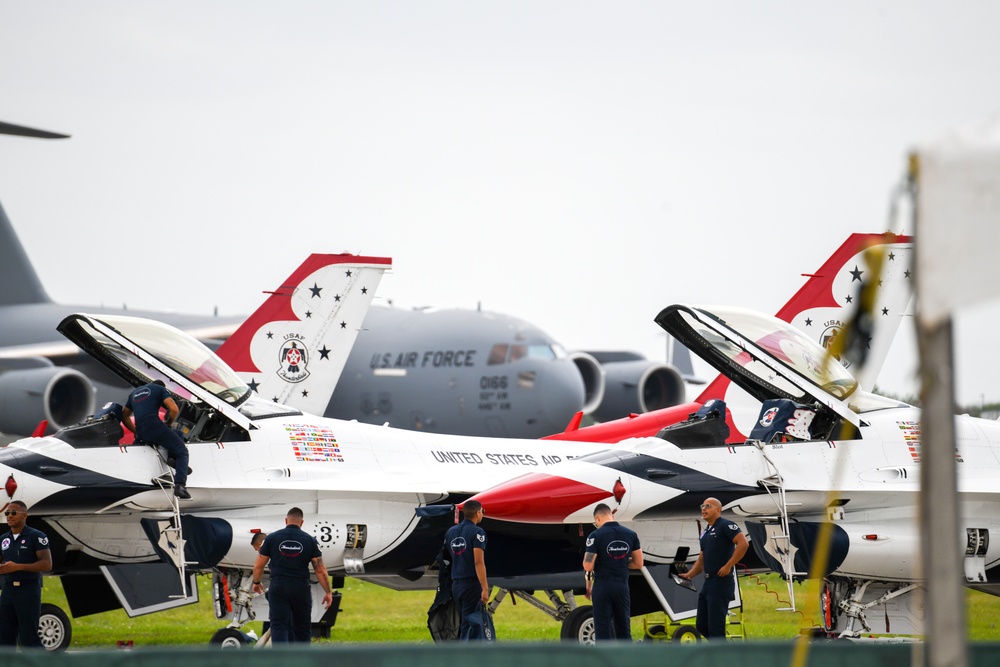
{"points": [[481, 537], [590, 541], [44, 541]]}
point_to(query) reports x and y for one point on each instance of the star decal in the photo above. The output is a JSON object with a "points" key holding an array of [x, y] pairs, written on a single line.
{"points": [[308, 314], [315, 289], [364, 290], [269, 335], [856, 274], [885, 311], [336, 297], [849, 299], [324, 353], [892, 257], [253, 385], [906, 274], [343, 325], [305, 394], [274, 399], [347, 273], [809, 322]]}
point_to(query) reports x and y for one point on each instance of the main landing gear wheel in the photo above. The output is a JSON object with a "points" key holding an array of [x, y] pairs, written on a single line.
{"points": [[579, 625], [229, 638], [54, 628], [686, 635]]}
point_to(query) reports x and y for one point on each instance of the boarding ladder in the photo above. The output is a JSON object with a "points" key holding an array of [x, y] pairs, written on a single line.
{"points": [[775, 487], [172, 533]]}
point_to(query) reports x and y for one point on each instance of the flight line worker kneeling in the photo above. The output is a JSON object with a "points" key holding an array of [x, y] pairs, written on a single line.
{"points": [[25, 556]]}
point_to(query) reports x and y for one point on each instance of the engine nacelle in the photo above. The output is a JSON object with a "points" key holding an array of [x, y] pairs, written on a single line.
{"points": [[62, 396], [592, 374], [639, 386]]}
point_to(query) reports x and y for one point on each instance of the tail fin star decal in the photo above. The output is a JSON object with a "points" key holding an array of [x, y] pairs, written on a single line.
{"points": [[292, 350]]}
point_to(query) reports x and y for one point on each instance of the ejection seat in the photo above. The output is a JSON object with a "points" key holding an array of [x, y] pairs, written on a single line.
{"points": [[705, 428], [783, 420]]}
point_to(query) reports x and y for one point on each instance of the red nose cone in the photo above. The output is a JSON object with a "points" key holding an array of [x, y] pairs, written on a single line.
{"points": [[539, 498], [10, 487], [619, 491]]}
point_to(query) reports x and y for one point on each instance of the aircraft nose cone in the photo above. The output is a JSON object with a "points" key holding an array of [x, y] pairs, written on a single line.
{"points": [[539, 498]]}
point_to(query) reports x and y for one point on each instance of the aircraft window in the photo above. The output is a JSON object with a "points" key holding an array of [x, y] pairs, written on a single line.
{"points": [[518, 352], [498, 355], [541, 352], [258, 408]]}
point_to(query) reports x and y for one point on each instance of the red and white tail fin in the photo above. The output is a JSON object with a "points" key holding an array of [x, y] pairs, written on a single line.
{"points": [[823, 307], [292, 350]]}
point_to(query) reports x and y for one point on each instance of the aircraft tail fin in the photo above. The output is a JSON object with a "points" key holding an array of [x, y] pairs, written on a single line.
{"points": [[17, 275], [293, 349], [827, 303]]}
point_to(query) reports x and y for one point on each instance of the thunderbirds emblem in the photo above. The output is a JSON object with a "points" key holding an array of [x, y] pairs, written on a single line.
{"points": [[293, 359]]}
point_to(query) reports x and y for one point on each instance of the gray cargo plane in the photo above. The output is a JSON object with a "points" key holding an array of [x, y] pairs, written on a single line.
{"points": [[462, 372]]}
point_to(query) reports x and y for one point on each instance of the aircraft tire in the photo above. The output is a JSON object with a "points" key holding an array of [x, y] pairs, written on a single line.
{"points": [[229, 638], [579, 625], [54, 628], [686, 635]]}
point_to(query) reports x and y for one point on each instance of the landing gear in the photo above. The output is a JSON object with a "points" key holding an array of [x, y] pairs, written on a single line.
{"points": [[229, 638], [579, 625], [54, 628]]}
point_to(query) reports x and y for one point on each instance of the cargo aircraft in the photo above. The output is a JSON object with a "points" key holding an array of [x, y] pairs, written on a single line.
{"points": [[822, 451]]}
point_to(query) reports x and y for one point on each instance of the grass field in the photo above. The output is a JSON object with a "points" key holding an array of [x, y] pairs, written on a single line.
{"points": [[376, 615]]}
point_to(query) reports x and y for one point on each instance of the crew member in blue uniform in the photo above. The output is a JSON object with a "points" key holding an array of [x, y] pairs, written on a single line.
{"points": [[466, 542], [26, 556], [144, 402], [289, 552], [722, 546], [612, 550]]}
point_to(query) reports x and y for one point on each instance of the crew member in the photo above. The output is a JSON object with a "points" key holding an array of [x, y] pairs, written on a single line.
{"points": [[612, 550], [722, 546], [255, 542], [25, 557], [466, 542], [144, 402], [290, 551]]}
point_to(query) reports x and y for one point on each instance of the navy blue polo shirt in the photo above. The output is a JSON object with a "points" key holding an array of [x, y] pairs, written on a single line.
{"points": [[22, 550], [461, 540], [291, 550], [717, 545], [145, 401], [612, 544]]}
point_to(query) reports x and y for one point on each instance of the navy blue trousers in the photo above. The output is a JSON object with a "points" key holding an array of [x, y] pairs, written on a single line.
{"points": [[154, 431], [20, 607], [468, 596], [290, 602], [612, 610], [713, 605]]}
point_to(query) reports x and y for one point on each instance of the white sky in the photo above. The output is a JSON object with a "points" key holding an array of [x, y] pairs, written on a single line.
{"points": [[577, 164]]}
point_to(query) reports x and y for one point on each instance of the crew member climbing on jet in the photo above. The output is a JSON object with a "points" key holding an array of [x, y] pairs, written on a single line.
{"points": [[144, 402]]}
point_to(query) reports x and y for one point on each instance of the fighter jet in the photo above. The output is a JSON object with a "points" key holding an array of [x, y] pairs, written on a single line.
{"points": [[822, 451]]}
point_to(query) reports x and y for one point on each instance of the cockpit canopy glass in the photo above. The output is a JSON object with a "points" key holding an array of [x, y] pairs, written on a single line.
{"points": [[783, 342], [175, 349]]}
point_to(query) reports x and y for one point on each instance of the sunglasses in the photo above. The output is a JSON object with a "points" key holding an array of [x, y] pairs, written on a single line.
{"points": [[706, 506], [11, 512]]}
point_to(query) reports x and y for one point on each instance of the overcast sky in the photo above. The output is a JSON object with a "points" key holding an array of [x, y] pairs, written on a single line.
{"points": [[577, 164]]}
